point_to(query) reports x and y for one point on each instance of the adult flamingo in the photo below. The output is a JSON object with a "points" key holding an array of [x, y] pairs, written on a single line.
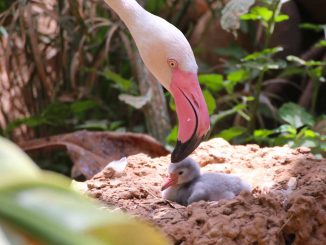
{"points": [[168, 55]]}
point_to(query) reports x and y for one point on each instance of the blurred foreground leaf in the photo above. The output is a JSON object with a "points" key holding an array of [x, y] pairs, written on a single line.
{"points": [[39, 208]]}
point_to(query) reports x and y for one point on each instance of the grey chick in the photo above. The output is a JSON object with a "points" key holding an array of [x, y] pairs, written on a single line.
{"points": [[186, 184]]}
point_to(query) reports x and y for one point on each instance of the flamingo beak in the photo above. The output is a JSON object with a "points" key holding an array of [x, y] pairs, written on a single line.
{"points": [[192, 113], [172, 180]]}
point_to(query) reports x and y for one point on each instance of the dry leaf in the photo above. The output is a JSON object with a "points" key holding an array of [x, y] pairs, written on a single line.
{"points": [[91, 151], [231, 13]]}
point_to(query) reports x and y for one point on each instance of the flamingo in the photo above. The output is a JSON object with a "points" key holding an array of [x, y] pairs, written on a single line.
{"points": [[167, 54], [186, 184]]}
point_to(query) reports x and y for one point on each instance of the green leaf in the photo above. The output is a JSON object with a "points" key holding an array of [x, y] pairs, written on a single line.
{"points": [[94, 124], [56, 215], [308, 142], [154, 6], [14, 161], [82, 106], [210, 101], [172, 105], [238, 75], [229, 86], [250, 16], [115, 125], [281, 18], [321, 43], [173, 136], [213, 82], [313, 27], [261, 136], [310, 133], [240, 110], [263, 133], [56, 113], [123, 84], [287, 129], [314, 63], [296, 59], [295, 115], [18, 207], [248, 98], [222, 114], [258, 13], [263, 54], [323, 146], [231, 133], [41, 205], [28, 121]]}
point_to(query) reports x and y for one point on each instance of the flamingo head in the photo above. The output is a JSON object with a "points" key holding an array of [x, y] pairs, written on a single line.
{"points": [[168, 55]]}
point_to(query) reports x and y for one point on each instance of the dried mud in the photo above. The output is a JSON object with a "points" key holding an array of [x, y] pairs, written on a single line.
{"points": [[287, 205]]}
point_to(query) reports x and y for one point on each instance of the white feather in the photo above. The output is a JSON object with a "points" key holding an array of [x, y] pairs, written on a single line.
{"points": [[157, 40]]}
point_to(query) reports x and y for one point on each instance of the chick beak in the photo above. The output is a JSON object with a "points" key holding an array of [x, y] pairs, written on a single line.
{"points": [[172, 180]]}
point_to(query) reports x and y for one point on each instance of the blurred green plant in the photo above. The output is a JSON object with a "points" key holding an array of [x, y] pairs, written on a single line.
{"points": [[57, 114], [313, 70], [268, 14], [239, 90], [95, 68], [297, 130], [77, 54], [41, 208]]}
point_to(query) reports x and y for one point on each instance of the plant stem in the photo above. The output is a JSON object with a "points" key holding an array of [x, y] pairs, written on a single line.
{"points": [[258, 88], [255, 104], [271, 23], [315, 92]]}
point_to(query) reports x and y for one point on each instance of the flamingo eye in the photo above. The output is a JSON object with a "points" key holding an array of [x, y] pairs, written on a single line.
{"points": [[180, 173], [172, 63]]}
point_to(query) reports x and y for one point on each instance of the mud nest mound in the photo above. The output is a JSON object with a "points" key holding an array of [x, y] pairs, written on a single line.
{"points": [[287, 205]]}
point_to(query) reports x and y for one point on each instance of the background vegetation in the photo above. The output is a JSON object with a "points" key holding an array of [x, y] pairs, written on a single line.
{"points": [[72, 65]]}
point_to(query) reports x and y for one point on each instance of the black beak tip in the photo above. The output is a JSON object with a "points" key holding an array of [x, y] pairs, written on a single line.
{"points": [[182, 150]]}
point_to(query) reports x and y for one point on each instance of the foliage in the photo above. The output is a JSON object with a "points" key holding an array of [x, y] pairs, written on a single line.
{"points": [[240, 89], [296, 130], [57, 114], [75, 60], [95, 76], [40, 207]]}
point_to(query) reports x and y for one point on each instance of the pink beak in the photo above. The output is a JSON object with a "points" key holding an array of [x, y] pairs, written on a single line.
{"points": [[172, 180], [192, 113]]}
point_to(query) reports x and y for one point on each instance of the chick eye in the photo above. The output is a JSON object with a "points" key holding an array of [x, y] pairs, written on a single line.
{"points": [[172, 63], [180, 173]]}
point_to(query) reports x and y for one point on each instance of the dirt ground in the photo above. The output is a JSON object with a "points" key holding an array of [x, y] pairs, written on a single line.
{"points": [[287, 205]]}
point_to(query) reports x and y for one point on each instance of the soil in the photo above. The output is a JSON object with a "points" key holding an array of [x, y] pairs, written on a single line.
{"points": [[286, 206]]}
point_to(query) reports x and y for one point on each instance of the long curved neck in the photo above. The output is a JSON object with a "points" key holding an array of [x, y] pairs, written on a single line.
{"points": [[128, 10]]}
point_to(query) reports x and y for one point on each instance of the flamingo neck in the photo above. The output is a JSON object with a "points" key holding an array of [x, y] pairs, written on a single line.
{"points": [[128, 10]]}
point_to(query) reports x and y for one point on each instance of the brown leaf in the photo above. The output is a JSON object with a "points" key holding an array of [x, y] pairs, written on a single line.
{"points": [[92, 151]]}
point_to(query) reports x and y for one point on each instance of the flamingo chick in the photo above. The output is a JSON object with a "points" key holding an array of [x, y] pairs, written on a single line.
{"points": [[186, 184], [169, 57]]}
